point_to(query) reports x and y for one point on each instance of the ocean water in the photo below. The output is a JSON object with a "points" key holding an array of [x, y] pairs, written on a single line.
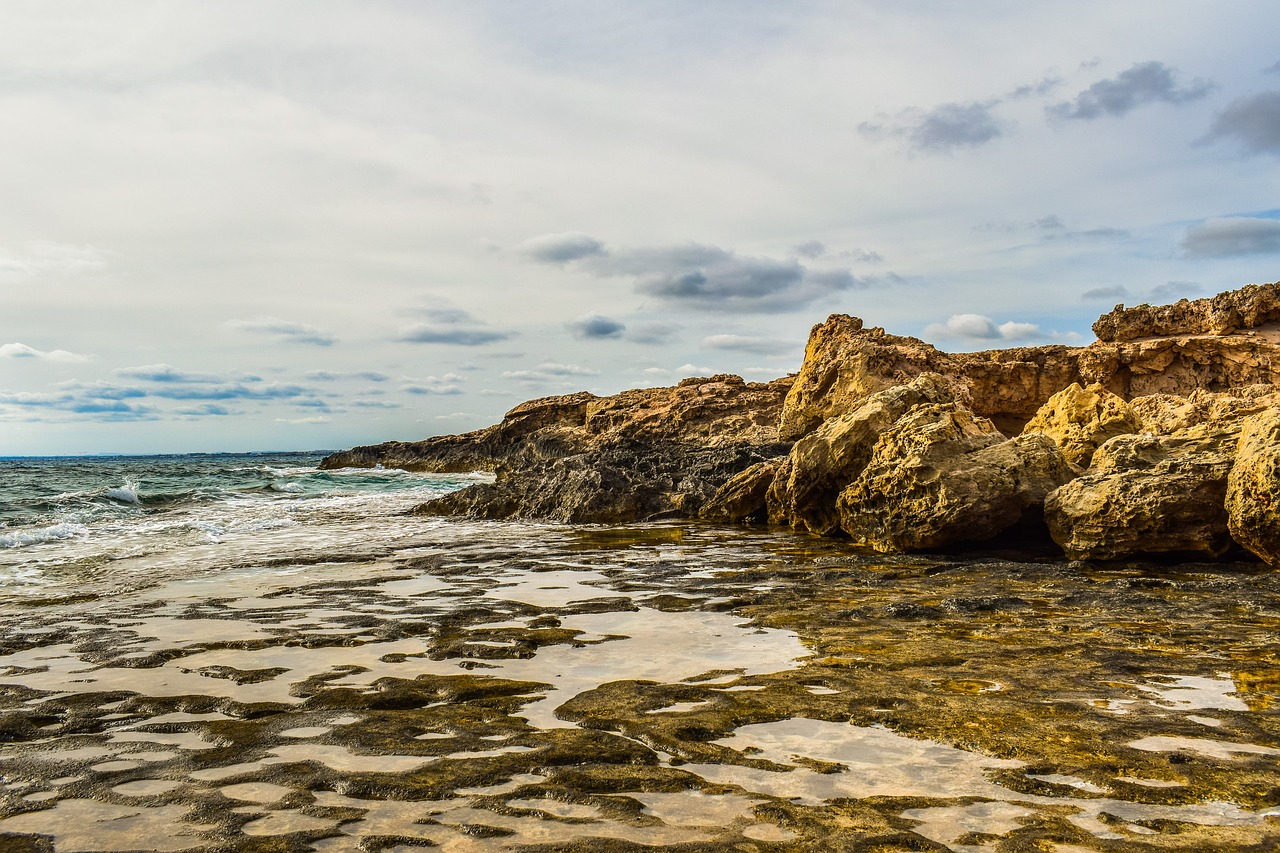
{"points": [[242, 652], [121, 520]]}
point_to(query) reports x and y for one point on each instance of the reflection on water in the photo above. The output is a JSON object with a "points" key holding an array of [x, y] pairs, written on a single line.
{"points": [[490, 687]]}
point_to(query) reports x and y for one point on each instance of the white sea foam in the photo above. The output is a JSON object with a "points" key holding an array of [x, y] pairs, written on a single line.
{"points": [[53, 533], [126, 494]]}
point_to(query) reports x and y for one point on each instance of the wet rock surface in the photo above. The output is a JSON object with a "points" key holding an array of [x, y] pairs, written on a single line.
{"points": [[535, 687]]}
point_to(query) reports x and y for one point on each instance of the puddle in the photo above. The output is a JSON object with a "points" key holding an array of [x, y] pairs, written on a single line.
{"points": [[877, 762], [694, 808], [1220, 749], [90, 826]]}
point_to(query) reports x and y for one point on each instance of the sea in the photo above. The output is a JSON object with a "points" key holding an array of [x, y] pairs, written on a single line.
{"points": [[123, 520], [244, 652]]}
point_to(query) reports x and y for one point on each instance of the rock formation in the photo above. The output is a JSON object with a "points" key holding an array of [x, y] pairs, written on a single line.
{"points": [[942, 476], [1253, 487], [1125, 447]]}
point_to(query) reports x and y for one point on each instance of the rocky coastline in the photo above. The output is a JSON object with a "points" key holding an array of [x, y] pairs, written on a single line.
{"points": [[1160, 439]]}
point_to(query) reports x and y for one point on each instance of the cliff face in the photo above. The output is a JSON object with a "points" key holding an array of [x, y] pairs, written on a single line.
{"points": [[1123, 447]]}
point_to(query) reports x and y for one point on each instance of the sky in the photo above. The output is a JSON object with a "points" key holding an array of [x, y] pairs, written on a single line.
{"points": [[235, 226]]}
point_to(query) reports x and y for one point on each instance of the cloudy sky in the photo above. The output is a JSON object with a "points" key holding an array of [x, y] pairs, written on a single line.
{"points": [[294, 225]]}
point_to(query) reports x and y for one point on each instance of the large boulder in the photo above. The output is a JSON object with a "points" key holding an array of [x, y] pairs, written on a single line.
{"points": [[941, 476], [744, 496], [832, 456], [1081, 419], [1147, 495], [1253, 487]]}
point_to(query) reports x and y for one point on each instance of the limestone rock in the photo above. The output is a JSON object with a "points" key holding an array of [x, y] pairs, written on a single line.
{"points": [[1165, 414], [846, 363], [610, 485], [1081, 419], [1147, 494], [1253, 487], [832, 456], [706, 412], [743, 497], [1249, 307], [941, 476]]}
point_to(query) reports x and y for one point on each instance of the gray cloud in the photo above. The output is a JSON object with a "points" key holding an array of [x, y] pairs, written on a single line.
{"points": [[561, 248], [454, 327], [1253, 121], [702, 276], [332, 376], [284, 331], [452, 335], [1272, 69], [1232, 236], [944, 128], [166, 373], [653, 333], [1099, 294], [1049, 223], [1176, 290], [1144, 83], [207, 410], [810, 249], [595, 326]]}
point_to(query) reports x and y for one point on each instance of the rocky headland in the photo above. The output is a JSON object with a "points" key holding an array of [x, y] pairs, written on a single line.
{"points": [[1162, 438]]}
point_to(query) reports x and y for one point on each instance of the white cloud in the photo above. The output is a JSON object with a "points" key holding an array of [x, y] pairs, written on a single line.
{"points": [[980, 328], [20, 350]]}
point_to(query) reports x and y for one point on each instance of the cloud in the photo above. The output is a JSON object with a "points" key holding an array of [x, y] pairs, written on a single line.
{"points": [[653, 333], [744, 343], [549, 371], [1100, 294], [1049, 223], [1253, 121], [284, 330], [165, 373], [811, 249], [446, 384], [332, 376], [453, 327], [1172, 290], [207, 410], [595, 326], [100, 407], [20, 350], [561, 248], [1232, 236], [314, 419], [46, 259], [1144, 83], [977, 327], [452, 335], [944, 128]]}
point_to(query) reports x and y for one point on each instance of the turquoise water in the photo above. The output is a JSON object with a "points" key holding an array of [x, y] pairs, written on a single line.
{"points": [[70, 520]]}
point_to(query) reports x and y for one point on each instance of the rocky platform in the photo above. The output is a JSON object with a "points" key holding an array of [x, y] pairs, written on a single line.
{"points": [[1160, 438]]}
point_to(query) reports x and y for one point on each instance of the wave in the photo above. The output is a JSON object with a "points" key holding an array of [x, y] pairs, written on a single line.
{"points": [[39, 535]]}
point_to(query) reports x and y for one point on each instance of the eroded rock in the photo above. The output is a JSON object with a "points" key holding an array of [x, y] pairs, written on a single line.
{"points": [[828, 459], [942, 476], [1147, 494], [1080, 419], [1249, 307], [1253, 487]]}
